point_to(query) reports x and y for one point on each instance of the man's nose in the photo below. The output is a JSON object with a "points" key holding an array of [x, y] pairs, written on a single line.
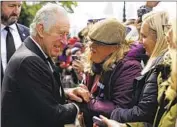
{"points": [[16, 10], [64, 39]]}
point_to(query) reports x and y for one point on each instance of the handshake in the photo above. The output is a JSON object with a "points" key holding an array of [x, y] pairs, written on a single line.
{"points": [[79, 94]]}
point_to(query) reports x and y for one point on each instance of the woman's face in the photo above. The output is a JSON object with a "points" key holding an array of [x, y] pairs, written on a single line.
{"points": [[170, 40], [100, 52], [148, 37]]}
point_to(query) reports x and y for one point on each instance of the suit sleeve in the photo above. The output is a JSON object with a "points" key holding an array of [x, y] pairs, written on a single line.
{"points": [[35, 85], [145, 110]]}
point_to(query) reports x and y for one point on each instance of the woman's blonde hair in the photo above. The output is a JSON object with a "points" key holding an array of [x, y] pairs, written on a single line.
{"points": [[174, 55], [116, 56], [171, 92], [85, 57], [156, 20]]}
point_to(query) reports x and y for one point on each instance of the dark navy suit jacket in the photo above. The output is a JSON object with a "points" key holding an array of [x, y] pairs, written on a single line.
{"points": [[24, 33], [32, 96]]}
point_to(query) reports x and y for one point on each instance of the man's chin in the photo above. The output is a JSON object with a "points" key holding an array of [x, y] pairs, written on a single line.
{"points": [[56, 54], [12, 21], [60, 53]]}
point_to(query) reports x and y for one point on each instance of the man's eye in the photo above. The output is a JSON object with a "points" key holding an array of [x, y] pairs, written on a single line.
{"points": [[11, 6], [60, 35]]}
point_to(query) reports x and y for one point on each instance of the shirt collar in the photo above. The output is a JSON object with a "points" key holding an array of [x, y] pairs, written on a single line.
{"points": [[13, 26], [39, 47], [2, 27]]}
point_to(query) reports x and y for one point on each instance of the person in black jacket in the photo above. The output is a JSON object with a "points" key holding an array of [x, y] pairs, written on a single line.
{"points": [[146, 89], [155, 44], [10, 12], [32, 94]]}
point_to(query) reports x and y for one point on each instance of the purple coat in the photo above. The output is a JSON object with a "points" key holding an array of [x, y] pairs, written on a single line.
{"points": [[119, 82]]}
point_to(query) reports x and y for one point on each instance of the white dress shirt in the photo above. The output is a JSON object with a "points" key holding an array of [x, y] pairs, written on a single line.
{"points": [[17, 42]]}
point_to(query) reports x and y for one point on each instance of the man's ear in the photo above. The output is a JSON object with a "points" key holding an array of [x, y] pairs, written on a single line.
{"points": [[40, 30]]}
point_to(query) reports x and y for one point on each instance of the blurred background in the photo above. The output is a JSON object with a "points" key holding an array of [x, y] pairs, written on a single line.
{"points": [[81, 12]]}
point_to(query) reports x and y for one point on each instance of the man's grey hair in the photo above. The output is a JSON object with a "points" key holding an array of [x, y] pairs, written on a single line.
{"points": [[48, 16]]}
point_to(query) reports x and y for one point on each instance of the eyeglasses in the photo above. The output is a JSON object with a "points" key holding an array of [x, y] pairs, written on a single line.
{"points": [[166, 28], [62, 37]]}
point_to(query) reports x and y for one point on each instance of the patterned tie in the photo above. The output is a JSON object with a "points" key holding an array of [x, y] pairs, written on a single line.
{"points": [[10, 46]]}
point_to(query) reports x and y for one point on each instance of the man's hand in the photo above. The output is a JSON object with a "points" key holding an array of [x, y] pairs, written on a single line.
{"points": [[78, 94]]}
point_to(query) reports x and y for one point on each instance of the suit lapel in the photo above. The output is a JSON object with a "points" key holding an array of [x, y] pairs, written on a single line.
{"points": [[2, 73], [22, 33], [32, 46]]}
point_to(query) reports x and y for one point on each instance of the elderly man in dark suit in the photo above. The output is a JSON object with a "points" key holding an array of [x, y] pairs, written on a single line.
{"points": [[32, 94], [12, 33]]}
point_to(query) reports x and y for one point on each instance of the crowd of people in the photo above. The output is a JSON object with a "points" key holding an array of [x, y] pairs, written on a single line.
{"points": [[114, 74]]}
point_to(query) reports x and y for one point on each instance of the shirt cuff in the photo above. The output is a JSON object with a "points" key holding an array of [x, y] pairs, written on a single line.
{"points": [[77, 122], [77, 107]]}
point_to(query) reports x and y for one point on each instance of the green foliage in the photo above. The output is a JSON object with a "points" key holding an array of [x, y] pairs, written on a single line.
{"points": [[68, 5], [28, 11]]}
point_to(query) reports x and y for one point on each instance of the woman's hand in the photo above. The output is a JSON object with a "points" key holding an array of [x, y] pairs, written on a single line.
{"points": [[110, 123]]}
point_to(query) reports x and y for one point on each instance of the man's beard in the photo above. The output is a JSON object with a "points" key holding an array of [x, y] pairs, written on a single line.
{"points": [[8, 20]]}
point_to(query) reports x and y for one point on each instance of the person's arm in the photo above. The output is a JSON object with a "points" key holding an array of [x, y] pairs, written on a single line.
{"points": [[122, 83], [145, 110], [122, 89], [35, 84]]}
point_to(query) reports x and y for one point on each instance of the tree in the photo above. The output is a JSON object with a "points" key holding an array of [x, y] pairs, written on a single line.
{"points": [[28, 11]]}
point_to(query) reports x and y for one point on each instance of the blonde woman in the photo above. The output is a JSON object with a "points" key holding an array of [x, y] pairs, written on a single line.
{"points": [[167, 95], [145, 97], [115, 64], [167, 111]]}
